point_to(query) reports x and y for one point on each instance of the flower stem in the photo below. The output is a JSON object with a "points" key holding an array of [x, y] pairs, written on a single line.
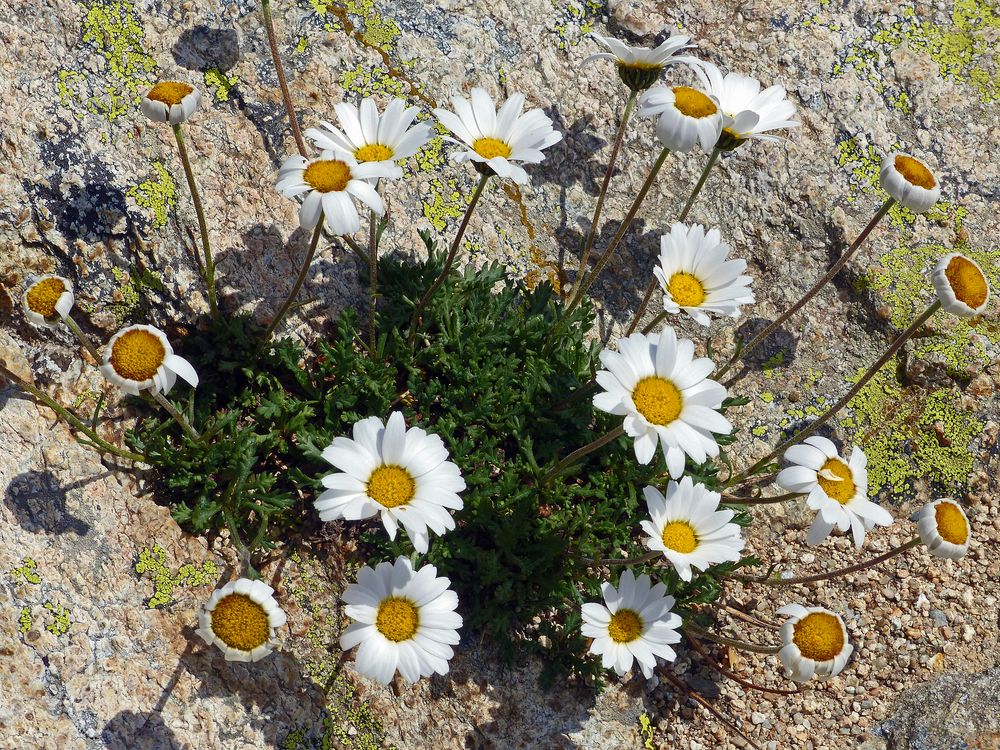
{"points": [[728, 499], [602, 195], [298, 281], [638, 560], [742, 645], [173, 412], [280, 70], [202, 224], [862, 382], [373, 280], [82, 338], [758, 339], [579, 453], [712, 161], [450, 260]]}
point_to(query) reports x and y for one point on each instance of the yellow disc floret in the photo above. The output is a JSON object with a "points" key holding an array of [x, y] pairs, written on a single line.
{"points": [[43, 296], [169, 92], [819, 636], [657, 399], [397, 619], [328, 175], [951, 523], [391, 486], [679, 536], [914, 172], [488, 148], [625, 626], [240, 622], [137, 355], [693, 103], [373, 152], [686, 290], [967, 281], [842, 488]]}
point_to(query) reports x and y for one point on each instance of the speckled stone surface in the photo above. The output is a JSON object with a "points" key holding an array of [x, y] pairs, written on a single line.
{"points": [[101, 587]]}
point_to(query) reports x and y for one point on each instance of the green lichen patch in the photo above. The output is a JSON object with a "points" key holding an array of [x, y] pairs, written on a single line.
{"points": [[575, 19], [134, 286], [24, 620], [26, 571], [220, 84], [60, 619], [152, 564], [365, 80], [157, 195]]}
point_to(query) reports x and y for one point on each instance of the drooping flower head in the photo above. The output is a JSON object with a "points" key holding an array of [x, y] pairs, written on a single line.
{"points": [[170, 101], [944, 528], [689, 529], [837, 489], [752, 113], [687, 117], [664, 393], [697, 277], [961, 285], [635, 623], [140, 358], [909, 181], [498, 139], [371, 138], [240, 618], [329, 184], [406, 621], [640, 67], [402, 474], [48, 300], [814, 642]]}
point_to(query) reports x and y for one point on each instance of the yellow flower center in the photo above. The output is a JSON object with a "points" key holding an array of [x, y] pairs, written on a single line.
{"points": [[657, 399], [639, 65], [373, 152], [951, 523], [397, 619], [693, 103], [686, 290], [328, 175], [680, 537], [625, 626], [240, 622], [843, 490], [819, 636], [169, 92], [137, 355], [914, 172], [42, 297], [390, 486], [966, 281], [489, 148]]}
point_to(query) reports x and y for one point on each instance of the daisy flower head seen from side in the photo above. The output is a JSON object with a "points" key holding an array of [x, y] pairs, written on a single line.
{"points": [[405, 621], [170, 101], [961, 285], [837, 489], [402, 474], [689, 529], [813, 642], [241, 618], [635, 624], [664, 393], [370, 137], [640, 67], [498, 140], [140, 358], [686, 117], [696, 275], [751, 113], [909, 181], [329, 184], [48, 300], [944, 528]]}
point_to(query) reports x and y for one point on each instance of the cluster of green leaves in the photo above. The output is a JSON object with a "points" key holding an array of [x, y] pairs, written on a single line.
{"points": [[489, 372]]}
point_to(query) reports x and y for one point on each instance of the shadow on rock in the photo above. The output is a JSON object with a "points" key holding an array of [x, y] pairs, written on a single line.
{"points": [[203, 47], [39, 504], [134, 731], [777, 350]]}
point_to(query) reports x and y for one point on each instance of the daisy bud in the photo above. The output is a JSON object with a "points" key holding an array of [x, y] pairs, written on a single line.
{"points": [[241, 618], [814, 642], [48, 300], [909, 181], [960, 285], [170, 101], [944, 528], [140, 358]]}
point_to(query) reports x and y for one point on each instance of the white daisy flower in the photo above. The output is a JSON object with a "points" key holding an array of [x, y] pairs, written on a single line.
{"points": [[639, 67], [370, 137], [240, 618], [837, 490], [403, 474], [48, 300], [665, 396], [140, 358], [406, 621], [696, 276], [329, 184], [752, 112], [170, 101], [961, 285], [944, 528], [637, 624], [686, 117], [498, 139], [689, 529], [909, 181], [814, 642]]}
